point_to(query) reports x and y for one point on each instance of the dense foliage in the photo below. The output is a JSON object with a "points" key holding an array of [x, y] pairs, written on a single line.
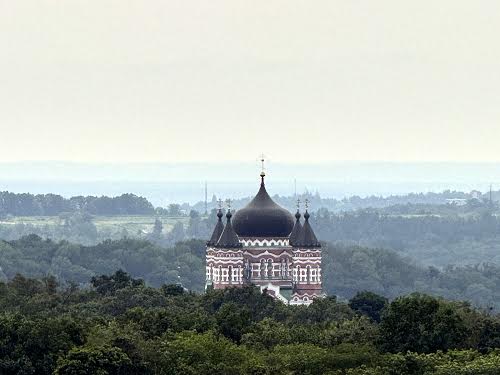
{"points": [[121, 326], [36, 257]]}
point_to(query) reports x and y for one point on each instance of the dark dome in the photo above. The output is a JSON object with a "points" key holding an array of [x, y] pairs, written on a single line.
{"points": [[262, 217]]}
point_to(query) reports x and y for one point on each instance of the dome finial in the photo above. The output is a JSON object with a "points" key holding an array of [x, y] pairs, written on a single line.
{"points": [[229, 214], [297, 215], [219, 211], [262, 173], [306, 214]]}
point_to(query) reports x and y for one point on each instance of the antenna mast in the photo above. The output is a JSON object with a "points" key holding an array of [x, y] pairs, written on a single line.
{"points": [[206, 199]]}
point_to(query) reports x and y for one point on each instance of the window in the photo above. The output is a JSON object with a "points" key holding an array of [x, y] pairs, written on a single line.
{"points": [[216, 274], [303, 275], [234, 276], [313, 276]]}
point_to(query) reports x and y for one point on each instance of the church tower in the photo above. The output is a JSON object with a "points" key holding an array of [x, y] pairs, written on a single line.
{"points": [[264, 245]]}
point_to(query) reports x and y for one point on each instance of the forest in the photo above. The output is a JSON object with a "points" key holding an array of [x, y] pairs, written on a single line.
{"points": [[119, 325], [347, 269], [86, 289]]}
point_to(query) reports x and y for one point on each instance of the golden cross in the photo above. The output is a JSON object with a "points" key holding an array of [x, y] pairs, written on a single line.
{"points": [[307, 204], [228, 201], [298, 204]]}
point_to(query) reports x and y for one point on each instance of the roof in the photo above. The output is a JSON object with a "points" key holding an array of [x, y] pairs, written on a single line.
{"points": [[219, 228], [262, 217], [307, 238], [229, 238], [297, 228]]}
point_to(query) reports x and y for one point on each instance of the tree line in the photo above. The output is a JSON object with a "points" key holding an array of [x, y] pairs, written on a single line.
{"points": [[119, 325], [355, 202], [26, 204]]}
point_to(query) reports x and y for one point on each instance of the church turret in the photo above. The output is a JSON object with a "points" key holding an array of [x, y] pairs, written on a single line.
{"points": [[219, 228], [228, 239], [297, 229], [307, 238]]}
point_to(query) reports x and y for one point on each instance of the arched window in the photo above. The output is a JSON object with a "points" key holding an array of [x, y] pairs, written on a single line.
{"points": [[230, 274]]}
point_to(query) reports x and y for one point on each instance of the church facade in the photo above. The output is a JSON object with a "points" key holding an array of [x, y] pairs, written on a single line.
{"points": [[263, 244]]}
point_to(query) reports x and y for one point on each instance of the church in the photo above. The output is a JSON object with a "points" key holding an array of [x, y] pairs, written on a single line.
{"points": [[263, 244]]}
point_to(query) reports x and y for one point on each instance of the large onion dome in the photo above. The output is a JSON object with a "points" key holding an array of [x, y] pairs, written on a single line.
{"points": [[262, 217]]}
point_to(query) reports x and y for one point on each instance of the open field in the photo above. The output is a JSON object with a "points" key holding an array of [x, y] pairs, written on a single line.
{"points": [[133, 224]]}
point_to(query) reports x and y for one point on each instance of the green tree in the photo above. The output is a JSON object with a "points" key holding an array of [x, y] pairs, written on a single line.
{"points": [[98, 361], [421, 323], [369, 304]]}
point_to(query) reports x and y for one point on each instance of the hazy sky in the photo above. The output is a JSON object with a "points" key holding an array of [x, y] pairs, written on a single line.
{"points": [[163, 80]]}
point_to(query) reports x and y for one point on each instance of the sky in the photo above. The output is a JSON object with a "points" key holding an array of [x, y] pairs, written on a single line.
{"points": [[224, 80]]}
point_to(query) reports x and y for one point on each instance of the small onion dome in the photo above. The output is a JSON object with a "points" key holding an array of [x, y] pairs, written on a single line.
{"points": [[262, 217], [229, 238], [297, 228], [219, 228], [307, 238]]}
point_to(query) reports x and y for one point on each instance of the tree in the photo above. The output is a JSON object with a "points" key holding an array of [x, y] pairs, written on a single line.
{"points": [[98, 361], [266, 334], [423, 324], [157, 228], [202, 354], [172, 289], [233, 320], [369, 304], [110, 284], [177, 233], [174, 209]]}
